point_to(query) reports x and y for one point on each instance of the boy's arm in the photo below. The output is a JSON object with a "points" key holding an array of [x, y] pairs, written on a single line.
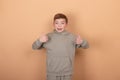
{"points": [[37, 45], [84, 45]]}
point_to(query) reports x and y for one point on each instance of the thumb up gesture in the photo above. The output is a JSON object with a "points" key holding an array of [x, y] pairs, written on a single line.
{"points": [[43, 38], [78, 39]]}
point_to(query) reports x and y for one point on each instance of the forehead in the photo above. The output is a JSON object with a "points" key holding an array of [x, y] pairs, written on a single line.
{"points": [[60, 20]]}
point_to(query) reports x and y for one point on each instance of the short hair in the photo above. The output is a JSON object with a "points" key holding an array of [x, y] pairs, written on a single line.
{"points": [[60, 15]]}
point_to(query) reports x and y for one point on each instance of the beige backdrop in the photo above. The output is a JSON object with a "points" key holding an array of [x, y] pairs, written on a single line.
{"points": [[23, 21]]}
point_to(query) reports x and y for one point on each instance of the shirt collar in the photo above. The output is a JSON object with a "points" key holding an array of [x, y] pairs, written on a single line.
{"points": [[63, 32]]}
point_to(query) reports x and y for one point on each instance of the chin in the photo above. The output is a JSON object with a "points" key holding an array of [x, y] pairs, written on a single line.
{"points": [[60, 30]]}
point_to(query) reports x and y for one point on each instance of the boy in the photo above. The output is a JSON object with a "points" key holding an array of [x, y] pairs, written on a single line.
{"points": [[60, 46]]}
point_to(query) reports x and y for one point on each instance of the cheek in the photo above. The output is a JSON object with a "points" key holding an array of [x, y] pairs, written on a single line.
{"points": [[55, 25], [64, 26]]}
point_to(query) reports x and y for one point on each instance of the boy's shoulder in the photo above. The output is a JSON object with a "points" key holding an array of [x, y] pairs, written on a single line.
{"points": [[71, 35], [50, 33], [67, 33]]}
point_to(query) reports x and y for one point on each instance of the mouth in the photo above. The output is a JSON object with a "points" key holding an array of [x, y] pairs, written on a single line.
{"points": [[59, 29]]}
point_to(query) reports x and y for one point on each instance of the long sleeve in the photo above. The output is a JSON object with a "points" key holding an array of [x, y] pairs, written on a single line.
{"points": [[84, 45], [37, 45]]}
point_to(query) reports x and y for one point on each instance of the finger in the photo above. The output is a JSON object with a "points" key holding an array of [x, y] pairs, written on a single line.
{"points": [[79, 36]]}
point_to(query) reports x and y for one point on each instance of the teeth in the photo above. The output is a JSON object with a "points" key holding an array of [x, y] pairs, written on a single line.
{"points": [[59, 28]]}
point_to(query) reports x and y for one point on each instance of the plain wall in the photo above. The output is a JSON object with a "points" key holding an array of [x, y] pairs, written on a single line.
{"points": [[23, 21]]}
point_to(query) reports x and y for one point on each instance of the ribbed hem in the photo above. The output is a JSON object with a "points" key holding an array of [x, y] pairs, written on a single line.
{"points": [[59, 73]]}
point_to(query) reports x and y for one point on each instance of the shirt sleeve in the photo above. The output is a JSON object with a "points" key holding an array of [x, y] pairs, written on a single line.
{"points": [[84, 45], [37, 45]]}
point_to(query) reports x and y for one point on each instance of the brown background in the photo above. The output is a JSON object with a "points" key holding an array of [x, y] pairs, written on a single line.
{"points": [[23, 21]]}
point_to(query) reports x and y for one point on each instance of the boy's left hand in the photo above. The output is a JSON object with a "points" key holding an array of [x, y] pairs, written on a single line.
{"points": [[78, 39]]}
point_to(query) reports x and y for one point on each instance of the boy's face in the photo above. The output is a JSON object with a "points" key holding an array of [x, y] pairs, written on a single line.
{"points": [[60, 24]]}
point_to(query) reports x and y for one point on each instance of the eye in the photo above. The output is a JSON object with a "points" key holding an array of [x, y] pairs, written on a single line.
{"points": [[56, 23], [63, 23]]}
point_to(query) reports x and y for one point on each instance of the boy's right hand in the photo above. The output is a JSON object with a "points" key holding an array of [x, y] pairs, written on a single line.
{"points": [[43, 38]]}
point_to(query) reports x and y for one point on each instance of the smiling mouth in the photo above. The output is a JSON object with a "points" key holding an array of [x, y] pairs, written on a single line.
{"points": [[59, 28]]}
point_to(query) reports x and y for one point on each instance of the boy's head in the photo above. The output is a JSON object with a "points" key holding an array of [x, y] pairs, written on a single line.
{"points": [[60, 22]]}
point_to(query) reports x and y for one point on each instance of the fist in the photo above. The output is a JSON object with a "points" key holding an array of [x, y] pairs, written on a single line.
{"points": [[78, 39], [43, 38]]}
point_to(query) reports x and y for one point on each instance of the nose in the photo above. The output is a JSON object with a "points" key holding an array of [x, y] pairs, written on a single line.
{"points": [[59, 25]]}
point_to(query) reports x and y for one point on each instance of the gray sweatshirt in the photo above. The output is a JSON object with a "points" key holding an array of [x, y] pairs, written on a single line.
{"points": [[60, 51]]}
